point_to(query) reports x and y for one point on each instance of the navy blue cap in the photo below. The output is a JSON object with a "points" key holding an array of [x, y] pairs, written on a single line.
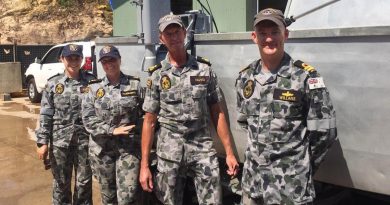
{"points": [[109, 51], [72, 49]]}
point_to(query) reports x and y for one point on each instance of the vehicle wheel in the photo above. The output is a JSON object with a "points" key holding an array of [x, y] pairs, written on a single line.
{"points": [[33, 94]]}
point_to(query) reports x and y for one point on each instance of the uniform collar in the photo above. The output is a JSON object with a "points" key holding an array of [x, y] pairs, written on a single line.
{"points": [[122, 79], [190, 64], [82, 77], [284, 70], [285, 66]]}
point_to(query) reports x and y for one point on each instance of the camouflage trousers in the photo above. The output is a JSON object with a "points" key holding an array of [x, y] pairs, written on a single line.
{"points": [[117, 174], [171, 178], [63, 160], [247, 200]]}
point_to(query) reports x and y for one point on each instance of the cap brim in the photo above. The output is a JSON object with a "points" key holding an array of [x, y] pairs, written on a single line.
{"points": [[108, 55], [163, 26], [72, 54], [275, 20]]}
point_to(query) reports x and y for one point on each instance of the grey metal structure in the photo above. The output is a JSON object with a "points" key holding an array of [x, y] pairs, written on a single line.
{"points": [[351, 51], [354, 63]]}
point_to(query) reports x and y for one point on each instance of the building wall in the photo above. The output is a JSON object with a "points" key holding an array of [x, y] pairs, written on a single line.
{"points": [[125, 18], [230, 15]]}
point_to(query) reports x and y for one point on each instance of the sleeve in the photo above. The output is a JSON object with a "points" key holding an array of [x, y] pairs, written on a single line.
{"points": [[321, 121], [152, 95], [45, 129], [92, 123], [214, 93], [140, 113], [141, 94], [241, 114]]}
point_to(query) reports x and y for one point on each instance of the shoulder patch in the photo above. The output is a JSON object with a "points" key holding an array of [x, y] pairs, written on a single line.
{"points": [[244, 69], [54, 76], [133, 78], [304, 66], [315, 83], [252, 66], [95, 81], [203, 60], [151, 69]]}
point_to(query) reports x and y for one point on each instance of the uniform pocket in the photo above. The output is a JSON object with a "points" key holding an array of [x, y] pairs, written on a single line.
{"points": [[287, 110], [102, 108], [128, 104], [170, 103], [198, 105], [61, 102]]}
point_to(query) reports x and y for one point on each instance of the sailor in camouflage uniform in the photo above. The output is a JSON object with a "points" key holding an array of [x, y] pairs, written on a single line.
{"points": [[288, 115], [61, 127], [111, 113], [183, 93]]}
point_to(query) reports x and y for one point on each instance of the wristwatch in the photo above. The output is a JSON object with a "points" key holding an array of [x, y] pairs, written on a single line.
{"points": [[40, 145]]}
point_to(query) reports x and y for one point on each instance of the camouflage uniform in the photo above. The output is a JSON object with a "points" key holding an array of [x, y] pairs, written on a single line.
{"points": [[61, 125], [181, 99], [290, 123], [114, 159]]}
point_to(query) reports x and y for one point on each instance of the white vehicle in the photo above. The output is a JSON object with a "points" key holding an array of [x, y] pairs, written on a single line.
{"points": [[41, 70]]}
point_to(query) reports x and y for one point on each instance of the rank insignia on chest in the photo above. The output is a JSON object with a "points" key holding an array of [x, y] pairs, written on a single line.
{"points": [[249, 88], [59, 88], [100, 93], [199, 80], [165, 82], [149, 83], [84, 89], [129, 93], [287, 95]]}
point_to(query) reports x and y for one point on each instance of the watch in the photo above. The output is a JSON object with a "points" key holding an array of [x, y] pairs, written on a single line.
{"points": [[40, 145]]}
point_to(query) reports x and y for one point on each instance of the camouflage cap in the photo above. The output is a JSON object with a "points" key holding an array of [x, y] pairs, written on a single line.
{"points": [[109, 51], [72, 49], [274, 15], [169, 19]]}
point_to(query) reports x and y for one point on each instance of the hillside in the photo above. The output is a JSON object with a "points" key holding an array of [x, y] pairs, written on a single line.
{"points": [[53, 21]]}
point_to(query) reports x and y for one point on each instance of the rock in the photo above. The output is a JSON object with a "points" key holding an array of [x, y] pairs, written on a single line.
{"points": [[46, 22]]}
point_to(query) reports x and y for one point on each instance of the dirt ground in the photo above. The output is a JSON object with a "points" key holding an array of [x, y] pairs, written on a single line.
{"points": [[23, 179]]}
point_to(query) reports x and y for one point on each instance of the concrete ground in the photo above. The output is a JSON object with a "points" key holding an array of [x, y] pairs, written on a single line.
{"points": [[23, 179]]}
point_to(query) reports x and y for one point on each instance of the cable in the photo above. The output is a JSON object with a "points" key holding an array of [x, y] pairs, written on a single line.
{"points": [[211, 13], [212, 17]]}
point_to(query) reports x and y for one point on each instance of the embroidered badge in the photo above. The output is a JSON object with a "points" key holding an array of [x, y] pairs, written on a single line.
{"points": [[165, 82], [249, 88], [315, 83], [59, 88], [129, 93], [73, 47], [287, 95], [149, 83], [100, 93], [199, 80], [84, 89], [106, 49]]}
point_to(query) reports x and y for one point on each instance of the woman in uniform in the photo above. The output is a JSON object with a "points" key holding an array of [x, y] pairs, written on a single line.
{"points": [[111, 115]]}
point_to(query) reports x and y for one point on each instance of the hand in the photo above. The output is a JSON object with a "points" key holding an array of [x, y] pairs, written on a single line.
{"points": [[42, 152], [122, 130], [232, 164], [145, 178]]}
